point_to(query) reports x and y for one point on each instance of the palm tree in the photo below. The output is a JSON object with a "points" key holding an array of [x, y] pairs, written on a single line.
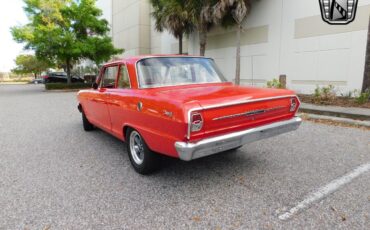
{"points": [[172, 15], [366, 82], [203, 19], [238, 10]]}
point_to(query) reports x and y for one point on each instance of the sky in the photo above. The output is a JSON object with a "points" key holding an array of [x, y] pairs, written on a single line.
{"points": [[12, 14]]}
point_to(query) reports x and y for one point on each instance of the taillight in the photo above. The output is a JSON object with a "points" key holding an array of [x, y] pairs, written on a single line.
{"points": [[196, 122], [293, 104]]}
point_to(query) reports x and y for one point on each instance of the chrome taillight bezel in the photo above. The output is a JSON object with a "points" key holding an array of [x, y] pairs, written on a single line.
{"points": [[196, 125], [294, 103]]}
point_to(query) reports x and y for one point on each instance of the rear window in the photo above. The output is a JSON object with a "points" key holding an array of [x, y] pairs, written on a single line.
{"points": [[170, 71]]}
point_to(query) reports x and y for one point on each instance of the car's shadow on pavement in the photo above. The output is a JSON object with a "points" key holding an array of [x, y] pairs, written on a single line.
{"points": [[219, 164], [226, 164]]}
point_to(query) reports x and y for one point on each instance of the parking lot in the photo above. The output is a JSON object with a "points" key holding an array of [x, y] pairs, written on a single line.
{"points": [[53, 175]]}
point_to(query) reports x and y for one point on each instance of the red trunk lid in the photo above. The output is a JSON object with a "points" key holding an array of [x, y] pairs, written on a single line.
{"points": [[227, 108]]}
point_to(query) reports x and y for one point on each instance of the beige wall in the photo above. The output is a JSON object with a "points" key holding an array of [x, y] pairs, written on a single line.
{"points": [[133, 30], [289, 37], [313, 26], [131, 26], [280, 37]]}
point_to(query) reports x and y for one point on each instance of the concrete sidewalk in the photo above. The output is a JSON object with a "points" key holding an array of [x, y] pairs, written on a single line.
{"points": [[336, 111]]}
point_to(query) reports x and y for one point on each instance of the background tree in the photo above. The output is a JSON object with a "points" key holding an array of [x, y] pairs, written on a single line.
{"points": [[65, 31], [29, 64], [203, 19], [228, 11], [92, 31], [100, 49], [366, 81], [173, 15]]}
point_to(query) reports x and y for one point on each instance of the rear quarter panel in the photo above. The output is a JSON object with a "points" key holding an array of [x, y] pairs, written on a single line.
{"points": [[159, 129]]}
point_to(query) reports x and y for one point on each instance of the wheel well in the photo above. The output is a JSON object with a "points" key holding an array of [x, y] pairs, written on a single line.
{"points": [[125, 129], [79, 107]]}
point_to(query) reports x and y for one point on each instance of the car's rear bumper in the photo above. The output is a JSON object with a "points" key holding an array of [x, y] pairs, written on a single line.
{"points": [[189, 151]]}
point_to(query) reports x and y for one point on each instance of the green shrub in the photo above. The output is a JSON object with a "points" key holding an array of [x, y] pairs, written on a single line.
{"points": [[275, 83], [362, 98], [324, 94], [64, 86]]}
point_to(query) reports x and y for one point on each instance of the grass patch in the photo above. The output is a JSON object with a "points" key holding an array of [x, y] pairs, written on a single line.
{"points": [[64, 86]]}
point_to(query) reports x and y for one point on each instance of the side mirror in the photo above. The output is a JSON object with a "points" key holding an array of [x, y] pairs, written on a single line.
{"points": [[95, 85]]}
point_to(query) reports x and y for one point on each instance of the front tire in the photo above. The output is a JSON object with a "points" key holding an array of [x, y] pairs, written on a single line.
{"points": [[86, 123], [142, 158]]}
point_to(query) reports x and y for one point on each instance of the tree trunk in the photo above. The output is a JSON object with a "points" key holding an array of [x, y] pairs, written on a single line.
{"points": [[180, 43], [202, 41], [69, 78], [237, 71], [366, 82], [35, 75]]}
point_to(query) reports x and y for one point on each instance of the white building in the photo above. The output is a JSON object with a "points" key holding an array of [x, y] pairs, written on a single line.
{"points": [[281, 37]]}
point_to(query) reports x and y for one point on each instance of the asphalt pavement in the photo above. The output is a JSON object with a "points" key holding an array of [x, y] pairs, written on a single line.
{"points": [[53, 175]]}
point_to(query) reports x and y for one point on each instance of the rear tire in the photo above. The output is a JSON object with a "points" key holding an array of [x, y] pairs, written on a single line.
{"points": [[141, 157], [86, 123]]}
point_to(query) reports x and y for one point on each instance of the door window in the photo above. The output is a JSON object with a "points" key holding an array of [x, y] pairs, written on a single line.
{"points": [[123, 78], [109, 77]]}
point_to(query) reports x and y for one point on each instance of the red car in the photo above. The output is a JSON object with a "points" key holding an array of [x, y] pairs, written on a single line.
{"points": [[182, 107]]}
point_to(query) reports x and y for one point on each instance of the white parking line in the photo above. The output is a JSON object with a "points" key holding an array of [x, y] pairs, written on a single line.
{"points": [[326, 190]]}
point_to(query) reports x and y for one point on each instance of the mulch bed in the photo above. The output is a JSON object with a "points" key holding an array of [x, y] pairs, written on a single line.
{"points": [[338, 101]]}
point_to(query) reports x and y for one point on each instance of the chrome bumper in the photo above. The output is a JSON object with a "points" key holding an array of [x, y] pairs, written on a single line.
{"points": [[206, 147]]}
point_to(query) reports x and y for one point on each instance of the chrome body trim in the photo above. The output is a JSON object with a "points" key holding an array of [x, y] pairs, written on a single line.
{"points": [[168, 113], [188, 151], [249, 113], [247, 101], [230, 104]]}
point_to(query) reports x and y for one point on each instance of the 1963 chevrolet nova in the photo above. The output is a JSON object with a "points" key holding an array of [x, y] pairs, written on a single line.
{"points": [[181, 106]]}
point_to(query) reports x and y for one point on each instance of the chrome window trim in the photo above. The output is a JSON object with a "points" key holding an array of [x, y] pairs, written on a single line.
{"points": [[150, 57], [128, 75], [101, 78], [232, 104]]}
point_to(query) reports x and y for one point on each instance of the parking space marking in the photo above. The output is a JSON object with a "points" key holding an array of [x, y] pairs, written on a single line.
{"points": [[326, 190]]}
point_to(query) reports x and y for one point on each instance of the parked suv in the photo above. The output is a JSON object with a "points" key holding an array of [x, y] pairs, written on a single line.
{"points": [[60, 77]]}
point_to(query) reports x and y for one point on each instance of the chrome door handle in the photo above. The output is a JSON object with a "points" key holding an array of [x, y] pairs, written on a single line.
{"points": [[139, 106]]}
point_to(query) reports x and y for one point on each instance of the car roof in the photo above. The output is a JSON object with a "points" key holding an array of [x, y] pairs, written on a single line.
{"points": [[134, 59]]}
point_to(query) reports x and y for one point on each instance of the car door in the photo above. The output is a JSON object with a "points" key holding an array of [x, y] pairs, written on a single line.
{"points": [[99, 101], [119, 101]]}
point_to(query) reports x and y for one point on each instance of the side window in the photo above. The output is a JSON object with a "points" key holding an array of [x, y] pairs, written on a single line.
{"points": [[109, 77], [123, 78]]}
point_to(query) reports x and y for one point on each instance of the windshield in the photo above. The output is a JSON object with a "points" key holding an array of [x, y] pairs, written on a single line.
{"points": [[170, 71]]}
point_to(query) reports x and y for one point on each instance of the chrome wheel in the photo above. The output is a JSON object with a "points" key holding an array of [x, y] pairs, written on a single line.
{"points": [[137, 147]]}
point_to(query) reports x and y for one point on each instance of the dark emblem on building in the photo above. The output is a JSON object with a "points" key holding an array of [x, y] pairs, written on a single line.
{"points": [[338, 12]]}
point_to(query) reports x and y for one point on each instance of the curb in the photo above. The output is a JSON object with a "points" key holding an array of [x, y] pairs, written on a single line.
{"points": [[14, 83], [320, 110], [61, 90], [337, 119]]}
